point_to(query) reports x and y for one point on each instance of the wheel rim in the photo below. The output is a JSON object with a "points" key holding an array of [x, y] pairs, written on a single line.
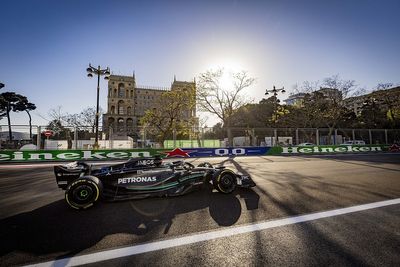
{"points": [[227, 183], [83, 194]]}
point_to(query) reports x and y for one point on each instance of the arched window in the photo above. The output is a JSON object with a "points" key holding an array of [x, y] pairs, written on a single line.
{"points": [[112, 110], [129, 125], [120, 124], [121, 90], [121, 107], [111, 122]]}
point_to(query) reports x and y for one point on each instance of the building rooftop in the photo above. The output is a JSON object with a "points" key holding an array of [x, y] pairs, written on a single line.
{"points": [[154, 88]]}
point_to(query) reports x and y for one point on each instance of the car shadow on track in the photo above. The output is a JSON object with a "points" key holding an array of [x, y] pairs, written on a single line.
{"points": [[62, 231]]}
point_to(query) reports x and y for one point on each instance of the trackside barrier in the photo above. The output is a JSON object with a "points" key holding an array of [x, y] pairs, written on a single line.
{"points": [[72, 155]]}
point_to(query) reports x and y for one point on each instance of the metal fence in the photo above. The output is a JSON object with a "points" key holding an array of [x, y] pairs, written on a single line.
{"points": [[68, 137]]}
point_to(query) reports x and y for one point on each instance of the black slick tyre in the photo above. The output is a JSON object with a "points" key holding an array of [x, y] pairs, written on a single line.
{"points": [[83, 192], [225, 182]]}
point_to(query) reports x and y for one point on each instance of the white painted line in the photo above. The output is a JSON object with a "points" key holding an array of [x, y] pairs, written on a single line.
{"points": [[186, 240]]}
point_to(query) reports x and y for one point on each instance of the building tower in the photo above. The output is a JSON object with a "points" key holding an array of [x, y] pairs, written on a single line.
{"points": [[119, 119], [127, 103]]}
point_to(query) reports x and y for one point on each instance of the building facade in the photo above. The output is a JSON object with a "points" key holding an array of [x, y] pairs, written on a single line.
{"points": [[295, 99], [387, 99], [327, 93], [127, 103]]}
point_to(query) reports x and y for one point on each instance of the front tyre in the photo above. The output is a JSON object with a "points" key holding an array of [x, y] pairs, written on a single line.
{"points": [[225, 182], [83, 192]]}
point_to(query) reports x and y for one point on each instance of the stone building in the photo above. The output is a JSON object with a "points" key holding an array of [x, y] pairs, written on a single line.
{"points": [[387, 99], [327, 93], [127, 103], [295, 99]]}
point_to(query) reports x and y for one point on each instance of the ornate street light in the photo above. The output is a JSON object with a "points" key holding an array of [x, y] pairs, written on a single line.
{"points": [[275, 92], [99, 72]]}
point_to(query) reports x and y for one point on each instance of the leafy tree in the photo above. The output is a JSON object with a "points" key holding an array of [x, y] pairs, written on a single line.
{"points": [[254, 115], [372, 115], [171, 115], [223, 102], [217, 132], [388, 98]]}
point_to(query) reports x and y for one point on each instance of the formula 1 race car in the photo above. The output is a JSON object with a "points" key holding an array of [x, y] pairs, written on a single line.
{"points": [[138, 178]]}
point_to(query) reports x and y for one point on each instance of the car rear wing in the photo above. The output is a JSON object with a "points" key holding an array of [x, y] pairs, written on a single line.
{"points": [[65, 174]]}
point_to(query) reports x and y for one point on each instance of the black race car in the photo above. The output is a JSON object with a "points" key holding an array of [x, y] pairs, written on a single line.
{"points": [[140, 178]]}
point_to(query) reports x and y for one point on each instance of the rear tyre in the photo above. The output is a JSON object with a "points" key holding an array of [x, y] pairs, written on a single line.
{"points": [[83, 192], [225, 182]]}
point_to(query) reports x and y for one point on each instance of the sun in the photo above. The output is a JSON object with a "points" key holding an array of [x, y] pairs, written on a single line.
{"points": [[229, 68], [226, 80]]}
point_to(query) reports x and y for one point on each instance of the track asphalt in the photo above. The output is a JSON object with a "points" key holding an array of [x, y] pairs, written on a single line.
{"points": [[37, 226]]}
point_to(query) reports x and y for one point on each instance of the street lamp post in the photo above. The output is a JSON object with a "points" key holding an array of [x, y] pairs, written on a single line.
{"points": [[275, 92], [99, 72]]}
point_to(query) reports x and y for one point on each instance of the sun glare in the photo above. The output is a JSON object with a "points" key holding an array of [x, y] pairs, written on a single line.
{"points": [[226, 80], [229, 68]]}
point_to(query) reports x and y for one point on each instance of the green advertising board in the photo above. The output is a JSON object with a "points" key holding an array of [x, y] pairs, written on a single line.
{"points": [[334, 149], [209, 143], [41, 155]]}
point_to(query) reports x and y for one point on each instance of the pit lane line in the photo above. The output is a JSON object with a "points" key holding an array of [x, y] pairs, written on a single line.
{"points": [[206, 236]]}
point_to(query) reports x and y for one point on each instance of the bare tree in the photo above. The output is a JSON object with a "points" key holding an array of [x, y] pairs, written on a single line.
{"points": [[222, 102], [345, 87], [57, 114], [86, 118], [307, 87]]}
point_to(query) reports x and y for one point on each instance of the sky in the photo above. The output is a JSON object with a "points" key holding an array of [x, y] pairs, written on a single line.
{"points": [[46, 46]]}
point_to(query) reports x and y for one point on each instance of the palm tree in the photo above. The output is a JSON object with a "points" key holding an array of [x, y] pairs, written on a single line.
{"points": [[25, 105], [11, 101]]}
